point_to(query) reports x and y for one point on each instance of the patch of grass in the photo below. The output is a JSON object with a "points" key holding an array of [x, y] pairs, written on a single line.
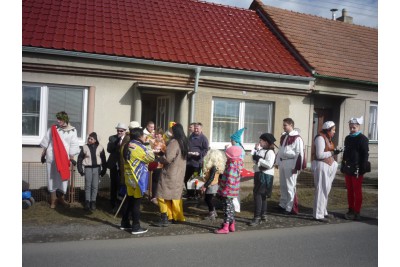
{"points": [[41, 214]]}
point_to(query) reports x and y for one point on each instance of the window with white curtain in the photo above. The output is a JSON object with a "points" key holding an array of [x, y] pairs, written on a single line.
{"points": [[373, 122], [230, 115], [41, 103]]}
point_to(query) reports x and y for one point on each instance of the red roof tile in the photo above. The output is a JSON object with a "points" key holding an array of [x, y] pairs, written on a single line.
{"points": [[182, 31], [332, 48]]}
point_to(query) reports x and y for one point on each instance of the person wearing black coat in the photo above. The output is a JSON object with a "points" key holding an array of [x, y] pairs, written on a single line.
{"points": [[354, 165], [113, 162]]}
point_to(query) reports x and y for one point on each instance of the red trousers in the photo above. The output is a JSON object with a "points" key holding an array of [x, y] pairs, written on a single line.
{"points": [[354, 192]]}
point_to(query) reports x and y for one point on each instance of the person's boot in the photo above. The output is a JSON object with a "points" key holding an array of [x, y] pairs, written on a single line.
{"points": [[53, 200], [87, 205], [357, 216], [264, 217], [212, 215], [93, 205], [223, 230], [349, 215], [256, 221], [62, 201], [163, 221], [232, 227]]}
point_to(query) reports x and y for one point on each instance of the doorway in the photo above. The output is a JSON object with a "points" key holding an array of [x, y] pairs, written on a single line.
{"points": [[157, 108]]}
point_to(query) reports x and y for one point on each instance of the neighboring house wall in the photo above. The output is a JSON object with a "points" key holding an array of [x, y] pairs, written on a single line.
{"points": [[349, 100]]}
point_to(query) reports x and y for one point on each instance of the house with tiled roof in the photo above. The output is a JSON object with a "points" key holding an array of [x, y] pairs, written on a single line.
{"points": [[343, 58], [105, 62]]}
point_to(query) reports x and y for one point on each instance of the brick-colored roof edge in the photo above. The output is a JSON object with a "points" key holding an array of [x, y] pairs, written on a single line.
{"points": [[351, 56]]}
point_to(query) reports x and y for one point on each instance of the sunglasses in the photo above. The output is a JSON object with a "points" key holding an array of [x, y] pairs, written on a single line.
{"points": [[120, 131]]}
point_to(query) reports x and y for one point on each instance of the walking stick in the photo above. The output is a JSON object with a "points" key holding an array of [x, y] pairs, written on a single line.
{"points": [[120, 206]]}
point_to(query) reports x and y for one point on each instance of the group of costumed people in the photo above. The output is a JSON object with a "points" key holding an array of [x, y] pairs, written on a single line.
{"points": [[165, 154]]}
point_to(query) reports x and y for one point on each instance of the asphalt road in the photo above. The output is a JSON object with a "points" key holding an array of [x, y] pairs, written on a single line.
{"points": [[345, 244]]}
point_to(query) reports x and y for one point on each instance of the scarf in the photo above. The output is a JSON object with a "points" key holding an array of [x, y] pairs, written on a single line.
{"points": [[60, 155], [355, 134]]}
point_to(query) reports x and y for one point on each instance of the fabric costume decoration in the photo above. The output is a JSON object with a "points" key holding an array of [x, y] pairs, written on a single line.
{"points": [[237, 137], [137, 156], [323, 167], [290, 157], [57, 159]]}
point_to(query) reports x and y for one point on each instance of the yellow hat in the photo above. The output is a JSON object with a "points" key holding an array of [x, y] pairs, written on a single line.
{"points": [[171, 123]]}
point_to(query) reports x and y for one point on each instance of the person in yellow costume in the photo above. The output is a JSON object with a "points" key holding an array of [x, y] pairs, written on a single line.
{"points": [[168, 134], [136, 159], [170, 185]]}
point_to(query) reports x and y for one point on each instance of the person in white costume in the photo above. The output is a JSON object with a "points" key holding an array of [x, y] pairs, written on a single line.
{"points": [[69, 138], [290, 160], [324, 169]]}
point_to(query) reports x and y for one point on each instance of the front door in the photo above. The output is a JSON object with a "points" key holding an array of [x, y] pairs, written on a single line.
{"points": [[164, 111], [320, 116]]}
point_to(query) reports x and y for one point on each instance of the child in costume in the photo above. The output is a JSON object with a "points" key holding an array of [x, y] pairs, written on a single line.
{"points": [[264, 159], [228, 187], [214, 166]]}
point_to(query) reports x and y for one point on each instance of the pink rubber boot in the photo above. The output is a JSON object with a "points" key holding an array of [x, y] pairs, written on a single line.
{"points": [[223, 230], [232, 227]]}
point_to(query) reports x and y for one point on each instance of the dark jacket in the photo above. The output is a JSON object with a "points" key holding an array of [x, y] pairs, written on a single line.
{"points": [[113, 148], [92, 156], [197, 143], [355, 155]]}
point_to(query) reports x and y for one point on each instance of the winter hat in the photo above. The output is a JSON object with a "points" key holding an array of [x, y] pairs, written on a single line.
{"points": [[237, 136], [268, 137], [121, 126], [233, 152], [134, 124], [327, 125], [94, 136]]}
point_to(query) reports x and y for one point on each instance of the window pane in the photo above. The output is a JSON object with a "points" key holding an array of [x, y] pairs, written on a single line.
{"points": [[257, 120], [69, 100], [30, 110], [225, 119], [373, 123]]}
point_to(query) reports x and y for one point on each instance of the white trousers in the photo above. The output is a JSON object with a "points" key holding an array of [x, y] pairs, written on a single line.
{"points": [[54, 181], [323, 179], [288, 182]]}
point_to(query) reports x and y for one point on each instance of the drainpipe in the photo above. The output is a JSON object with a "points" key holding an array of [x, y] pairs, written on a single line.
{"points": [[196, 85]]}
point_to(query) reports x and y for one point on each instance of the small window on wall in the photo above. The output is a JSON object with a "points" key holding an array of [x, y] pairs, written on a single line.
{"points": [[40, 104], [373, 122], [229, 115]]}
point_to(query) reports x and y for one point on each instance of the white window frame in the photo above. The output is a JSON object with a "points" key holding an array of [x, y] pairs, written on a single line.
{"points": [[44, 94], [373, 104], [221, 145]]}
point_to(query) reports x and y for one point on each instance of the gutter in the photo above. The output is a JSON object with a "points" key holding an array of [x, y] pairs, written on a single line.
{"points": [[344, 79], [192, 101], [161, 63]]}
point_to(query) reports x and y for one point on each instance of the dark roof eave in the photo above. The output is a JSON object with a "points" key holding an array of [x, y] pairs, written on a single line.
{"points": [[316, 75]]}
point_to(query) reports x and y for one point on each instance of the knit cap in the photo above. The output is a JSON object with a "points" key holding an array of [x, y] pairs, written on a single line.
{"points": [[233, 152], [237, 136]]}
